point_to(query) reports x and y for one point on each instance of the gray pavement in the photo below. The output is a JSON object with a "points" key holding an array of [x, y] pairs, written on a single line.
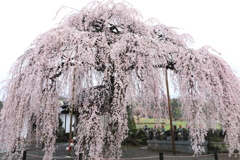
{"points": [[129, 153]]}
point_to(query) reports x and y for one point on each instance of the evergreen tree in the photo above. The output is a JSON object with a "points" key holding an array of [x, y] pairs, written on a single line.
{"points": [[1, 104], [176, 108]]}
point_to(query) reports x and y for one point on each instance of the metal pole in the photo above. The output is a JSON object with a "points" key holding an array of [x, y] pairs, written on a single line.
{"points": [[24, 155], [161, 156], [170, 113], [215, 155]]}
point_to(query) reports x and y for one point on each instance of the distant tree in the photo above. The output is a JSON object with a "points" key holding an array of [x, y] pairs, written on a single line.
{"points": [[138, 114], [176, 108], [150, 113], [1, 104], [131, 121]]}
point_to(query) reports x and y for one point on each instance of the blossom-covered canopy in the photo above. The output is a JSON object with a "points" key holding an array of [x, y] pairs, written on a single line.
{"points": [[102, 58]]}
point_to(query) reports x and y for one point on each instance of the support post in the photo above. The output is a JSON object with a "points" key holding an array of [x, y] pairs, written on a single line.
{"points": [[71, 105], [71, 112], [80, 156], [70, 126], [170, 113], [161, 156], [215, 155], [24, 155]]}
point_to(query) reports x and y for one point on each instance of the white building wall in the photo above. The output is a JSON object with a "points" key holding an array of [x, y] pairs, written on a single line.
{"points": [[66, 121]]}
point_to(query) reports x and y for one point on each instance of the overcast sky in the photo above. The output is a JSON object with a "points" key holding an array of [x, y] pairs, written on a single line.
{"points": [[210, 22]]}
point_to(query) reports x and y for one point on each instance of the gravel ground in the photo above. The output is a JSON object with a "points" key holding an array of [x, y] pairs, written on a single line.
{"points": [[130, 153]]}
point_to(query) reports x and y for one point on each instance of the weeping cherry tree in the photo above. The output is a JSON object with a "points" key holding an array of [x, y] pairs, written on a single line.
{"points": [[102, 58]]}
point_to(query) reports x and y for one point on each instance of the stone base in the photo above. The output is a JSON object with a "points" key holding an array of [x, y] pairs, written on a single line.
{"points": [[181, 146]]}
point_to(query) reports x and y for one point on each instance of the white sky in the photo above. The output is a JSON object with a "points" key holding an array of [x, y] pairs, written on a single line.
{"points": [[210, 22]]}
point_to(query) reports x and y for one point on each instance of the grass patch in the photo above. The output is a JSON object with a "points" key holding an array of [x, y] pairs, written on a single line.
{"points": [[150, 122]]}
